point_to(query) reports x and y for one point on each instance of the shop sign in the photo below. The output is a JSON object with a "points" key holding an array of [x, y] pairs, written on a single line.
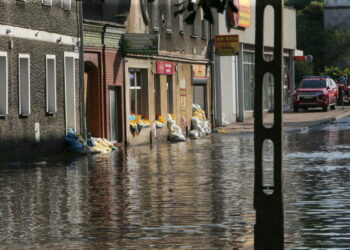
{"points": [[243, 13], [165, 68], [140, 43], [199, 71], [227, 45]]}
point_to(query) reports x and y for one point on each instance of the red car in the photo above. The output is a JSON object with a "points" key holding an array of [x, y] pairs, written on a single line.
{"points": [[315, 91]]}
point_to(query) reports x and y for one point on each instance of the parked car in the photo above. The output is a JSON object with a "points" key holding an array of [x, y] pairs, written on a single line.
{"points": [[315, 91]]}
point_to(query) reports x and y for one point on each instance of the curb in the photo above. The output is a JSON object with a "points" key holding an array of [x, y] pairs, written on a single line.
{"points": [[316, 124], [303, 129]]}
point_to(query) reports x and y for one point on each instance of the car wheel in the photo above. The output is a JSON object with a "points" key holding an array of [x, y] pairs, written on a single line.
{"points": [[325, 108], [296, 109]]}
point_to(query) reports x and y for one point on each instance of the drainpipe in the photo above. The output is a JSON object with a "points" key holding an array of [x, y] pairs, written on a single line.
{"points": [[82, 70], [213, 81]]}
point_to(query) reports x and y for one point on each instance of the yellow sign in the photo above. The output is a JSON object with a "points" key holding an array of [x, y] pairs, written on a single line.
{"points": [[227, 45], [244, 13], [199, 71]]}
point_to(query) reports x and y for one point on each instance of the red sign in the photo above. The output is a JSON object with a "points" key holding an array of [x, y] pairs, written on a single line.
{"points": [[165, 68], [307, 58]]}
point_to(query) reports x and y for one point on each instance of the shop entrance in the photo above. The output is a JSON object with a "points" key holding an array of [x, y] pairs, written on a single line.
{"points": [[92, 100]]}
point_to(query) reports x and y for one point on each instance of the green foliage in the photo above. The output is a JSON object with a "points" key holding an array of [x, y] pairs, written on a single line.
{"points": [[310, 33], [337, 49], [299, 4], [335, 72], [303, 69]]}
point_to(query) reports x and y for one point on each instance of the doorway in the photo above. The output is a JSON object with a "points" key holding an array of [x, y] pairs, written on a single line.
{"points": [[92, 100]]}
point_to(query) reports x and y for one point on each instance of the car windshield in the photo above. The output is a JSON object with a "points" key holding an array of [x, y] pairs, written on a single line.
{"points": [[312, 84]]}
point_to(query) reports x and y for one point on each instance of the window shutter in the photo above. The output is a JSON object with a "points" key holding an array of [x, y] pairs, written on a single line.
{"points": [[46, 2], [66, 4], [24, 84], [51, 103], [3, 84]]}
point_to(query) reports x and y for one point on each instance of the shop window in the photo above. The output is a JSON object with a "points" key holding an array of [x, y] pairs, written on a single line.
{"points": [[3, 84], [24, 84], [157, 97], [199, 96], [249, 82], [138, 92], [170, 94], [51, 103]]}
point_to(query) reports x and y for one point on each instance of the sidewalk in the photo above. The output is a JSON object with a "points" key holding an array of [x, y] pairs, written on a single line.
{"points": [[293, 122]]}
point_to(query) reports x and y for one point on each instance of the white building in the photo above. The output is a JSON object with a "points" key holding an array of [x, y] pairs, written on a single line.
{"points": [[234, 75]]}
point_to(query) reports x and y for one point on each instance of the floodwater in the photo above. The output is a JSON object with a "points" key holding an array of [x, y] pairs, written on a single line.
{"points": [[196, 195]]}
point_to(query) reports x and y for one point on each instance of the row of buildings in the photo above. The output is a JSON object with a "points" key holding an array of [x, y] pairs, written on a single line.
{"points": [[139, 60]]}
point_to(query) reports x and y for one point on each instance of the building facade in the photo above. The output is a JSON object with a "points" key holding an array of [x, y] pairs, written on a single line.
{"points": [[336, 14], [166, 68], [104, 68], [39, 75], [234, 75]]}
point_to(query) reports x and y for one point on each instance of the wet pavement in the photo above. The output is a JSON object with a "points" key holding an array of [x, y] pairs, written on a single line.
{"points": [[195, 194]]}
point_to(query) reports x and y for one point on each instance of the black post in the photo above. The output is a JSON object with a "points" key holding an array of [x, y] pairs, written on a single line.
{"points": [[268, 201]]}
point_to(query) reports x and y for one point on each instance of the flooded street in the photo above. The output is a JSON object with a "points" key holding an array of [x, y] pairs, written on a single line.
{"points": [[197, 194]]}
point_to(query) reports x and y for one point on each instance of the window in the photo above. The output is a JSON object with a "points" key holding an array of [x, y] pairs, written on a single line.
{"points": [[3, 84], [181, 21], [193, 26], [69, 82], [51, 103], [66, 4], [168, 16], [135, 91], [155, 16], [24, 84], [46, 2], [204, 25]]}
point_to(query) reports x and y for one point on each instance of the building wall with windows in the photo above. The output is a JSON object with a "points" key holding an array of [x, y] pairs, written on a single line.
{"points": [[40, 76], [184, 50], [104, 68], [336, 14], [234, 75]]}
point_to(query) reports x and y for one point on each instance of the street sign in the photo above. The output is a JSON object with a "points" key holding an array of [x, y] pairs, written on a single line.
{"points": [[307, 58], [141, 43], [227, 45]]}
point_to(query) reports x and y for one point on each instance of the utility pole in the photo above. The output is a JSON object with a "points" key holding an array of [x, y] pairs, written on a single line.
{"points": [[268, 201]]}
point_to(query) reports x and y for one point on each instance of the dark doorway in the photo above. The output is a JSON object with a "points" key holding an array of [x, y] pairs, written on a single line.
{"points": [[92, 100]]}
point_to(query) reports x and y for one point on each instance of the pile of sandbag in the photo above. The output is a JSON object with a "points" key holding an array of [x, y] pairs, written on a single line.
{"points": [[175, 132], [77, 143], [200, 125]]}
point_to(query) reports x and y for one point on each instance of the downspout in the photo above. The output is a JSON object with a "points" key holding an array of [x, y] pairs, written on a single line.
{"points": [[213, 81], [82, 70]]}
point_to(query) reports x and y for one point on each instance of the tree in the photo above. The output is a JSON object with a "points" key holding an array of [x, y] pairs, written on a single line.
{"points": [[299, 4], [311, 34], [337, 49]]}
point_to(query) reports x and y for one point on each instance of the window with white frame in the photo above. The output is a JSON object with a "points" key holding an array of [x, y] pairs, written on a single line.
{"points": [[46, 2], [51, 103], [135, 91], [66, 4], [24, 84], [168, 16], [3, 84]]}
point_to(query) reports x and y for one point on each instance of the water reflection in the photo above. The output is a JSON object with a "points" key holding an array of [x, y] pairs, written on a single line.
{"points": [[190, 195], [178, 195]]}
